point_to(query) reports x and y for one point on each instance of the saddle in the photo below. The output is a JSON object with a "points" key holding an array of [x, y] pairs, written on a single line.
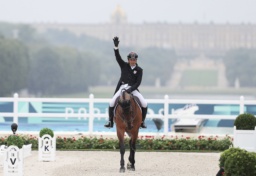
{"points": [[137, 100]]}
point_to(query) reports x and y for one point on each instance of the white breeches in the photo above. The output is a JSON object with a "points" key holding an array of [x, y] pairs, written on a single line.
{"points": [[136, 93]]}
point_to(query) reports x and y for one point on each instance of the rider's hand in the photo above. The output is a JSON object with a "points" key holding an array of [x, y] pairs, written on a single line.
{"points": [[129, 90], [116, 41]]}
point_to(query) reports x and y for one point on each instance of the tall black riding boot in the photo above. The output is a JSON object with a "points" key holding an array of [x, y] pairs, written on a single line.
{"points": [[144, 113], [110, 123]]}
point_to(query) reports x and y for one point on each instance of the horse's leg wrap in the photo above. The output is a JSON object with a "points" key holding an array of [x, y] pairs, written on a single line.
{"points": [[122, 151], [132, 152]]}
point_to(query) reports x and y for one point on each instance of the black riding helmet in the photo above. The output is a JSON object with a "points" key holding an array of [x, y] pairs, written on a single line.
{"points": [[132, 55]]}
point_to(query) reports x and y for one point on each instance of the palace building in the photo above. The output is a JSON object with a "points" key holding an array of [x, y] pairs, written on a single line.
{"points": [[185, 39], [194, 41]]}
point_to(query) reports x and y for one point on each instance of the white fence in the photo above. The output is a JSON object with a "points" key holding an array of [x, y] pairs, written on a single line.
{"points": [[164, 113]]}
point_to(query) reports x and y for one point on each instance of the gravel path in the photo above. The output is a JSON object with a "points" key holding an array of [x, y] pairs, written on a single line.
{"points": [[106, 163]]}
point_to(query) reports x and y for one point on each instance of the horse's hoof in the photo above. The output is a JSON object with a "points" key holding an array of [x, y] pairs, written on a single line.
{"points": [[122, 170], [130, 167]]}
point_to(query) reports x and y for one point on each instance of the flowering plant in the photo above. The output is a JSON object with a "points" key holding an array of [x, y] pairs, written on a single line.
{"points": [[14, 140], [167, 143]]}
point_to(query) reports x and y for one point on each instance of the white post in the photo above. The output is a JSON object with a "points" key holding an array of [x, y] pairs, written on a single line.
{"points": [[13, 161], [15, 108], [241, 104], [166, 112], [91, 111]]}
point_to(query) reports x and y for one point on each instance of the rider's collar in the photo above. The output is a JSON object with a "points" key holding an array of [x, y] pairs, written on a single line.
{"points": [[132, 67]]}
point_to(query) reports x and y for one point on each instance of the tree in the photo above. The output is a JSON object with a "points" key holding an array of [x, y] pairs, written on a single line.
{"points": [[157, 63], [45, 72], [240, 64], [14, 66]]}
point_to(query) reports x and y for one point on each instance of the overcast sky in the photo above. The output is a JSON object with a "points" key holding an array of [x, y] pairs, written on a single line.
{"points": [[137, 11]]}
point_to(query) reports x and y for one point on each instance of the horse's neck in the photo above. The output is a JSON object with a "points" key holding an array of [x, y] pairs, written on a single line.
{"points": [[125, 96]]}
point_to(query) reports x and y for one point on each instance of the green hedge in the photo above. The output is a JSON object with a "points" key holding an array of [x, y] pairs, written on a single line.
{"points": [[245, 122], [143, 143], [44, 131], [238, 162]]}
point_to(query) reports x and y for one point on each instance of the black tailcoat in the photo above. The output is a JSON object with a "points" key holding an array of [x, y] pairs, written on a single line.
{"points": [[129, 76]]}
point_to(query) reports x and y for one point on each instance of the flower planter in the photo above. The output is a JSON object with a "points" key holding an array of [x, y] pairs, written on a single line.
{"points": [[46, 148], [245, 139], [26, 152], [2, 150], [13, 161], [27, 149]]}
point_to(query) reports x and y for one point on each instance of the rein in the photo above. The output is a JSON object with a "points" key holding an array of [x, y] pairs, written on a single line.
{"points": [[128, 110]]}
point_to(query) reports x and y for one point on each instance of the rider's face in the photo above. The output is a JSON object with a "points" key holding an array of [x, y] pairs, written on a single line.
{"points": [[132, 61]]}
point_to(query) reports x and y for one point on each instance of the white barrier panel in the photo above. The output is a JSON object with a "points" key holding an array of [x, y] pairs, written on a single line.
{"points": [[91, 112], [13, 161], [2, 150], [46, 148], [27, 149], [245, 139]]}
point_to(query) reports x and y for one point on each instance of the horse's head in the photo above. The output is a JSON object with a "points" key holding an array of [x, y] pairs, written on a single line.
{"points": [[125, 103]]}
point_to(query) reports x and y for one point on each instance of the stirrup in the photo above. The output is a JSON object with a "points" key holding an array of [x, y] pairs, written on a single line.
{"points": [[109, 124], [143, 125]]}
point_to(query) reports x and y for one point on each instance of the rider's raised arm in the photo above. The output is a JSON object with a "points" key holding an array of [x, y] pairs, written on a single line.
{"points": [[119, 59]]}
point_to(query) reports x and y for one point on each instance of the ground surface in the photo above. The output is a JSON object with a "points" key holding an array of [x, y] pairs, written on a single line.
{"points": [[101, 163]]}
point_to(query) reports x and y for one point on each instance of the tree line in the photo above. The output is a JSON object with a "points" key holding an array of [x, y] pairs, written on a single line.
{"points": [[59, 62]]}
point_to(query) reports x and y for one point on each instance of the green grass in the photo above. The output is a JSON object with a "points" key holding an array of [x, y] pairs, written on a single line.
{"points": [[199, 78], [160, 92]]}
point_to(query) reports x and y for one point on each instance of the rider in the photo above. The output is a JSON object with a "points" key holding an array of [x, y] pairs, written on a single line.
{"points": [[131, 76]]}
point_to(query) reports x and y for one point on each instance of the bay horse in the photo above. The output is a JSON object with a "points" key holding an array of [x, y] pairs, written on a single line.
{"points": [[128, 118]]}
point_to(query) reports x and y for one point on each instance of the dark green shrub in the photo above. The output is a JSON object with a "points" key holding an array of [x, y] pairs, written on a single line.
{"points": [[224, 155], [245, 122], [15, 140], [149, 143], [30, 139], [240, 163], [44, 131]]}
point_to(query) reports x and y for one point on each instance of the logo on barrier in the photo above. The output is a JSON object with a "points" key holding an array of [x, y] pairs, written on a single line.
{"points": [[13, 156], [13, 162], [47, 143], [47, 148]]}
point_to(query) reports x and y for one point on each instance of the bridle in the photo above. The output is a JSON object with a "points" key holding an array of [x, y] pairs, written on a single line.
{"points": [[128, 110]]}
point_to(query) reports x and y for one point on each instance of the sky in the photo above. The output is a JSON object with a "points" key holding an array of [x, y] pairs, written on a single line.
{"points": [[137, 11]]}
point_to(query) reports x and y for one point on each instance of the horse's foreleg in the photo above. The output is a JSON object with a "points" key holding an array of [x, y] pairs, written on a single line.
{"points": [[131, 165], [120, 136], [122, 151]]}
